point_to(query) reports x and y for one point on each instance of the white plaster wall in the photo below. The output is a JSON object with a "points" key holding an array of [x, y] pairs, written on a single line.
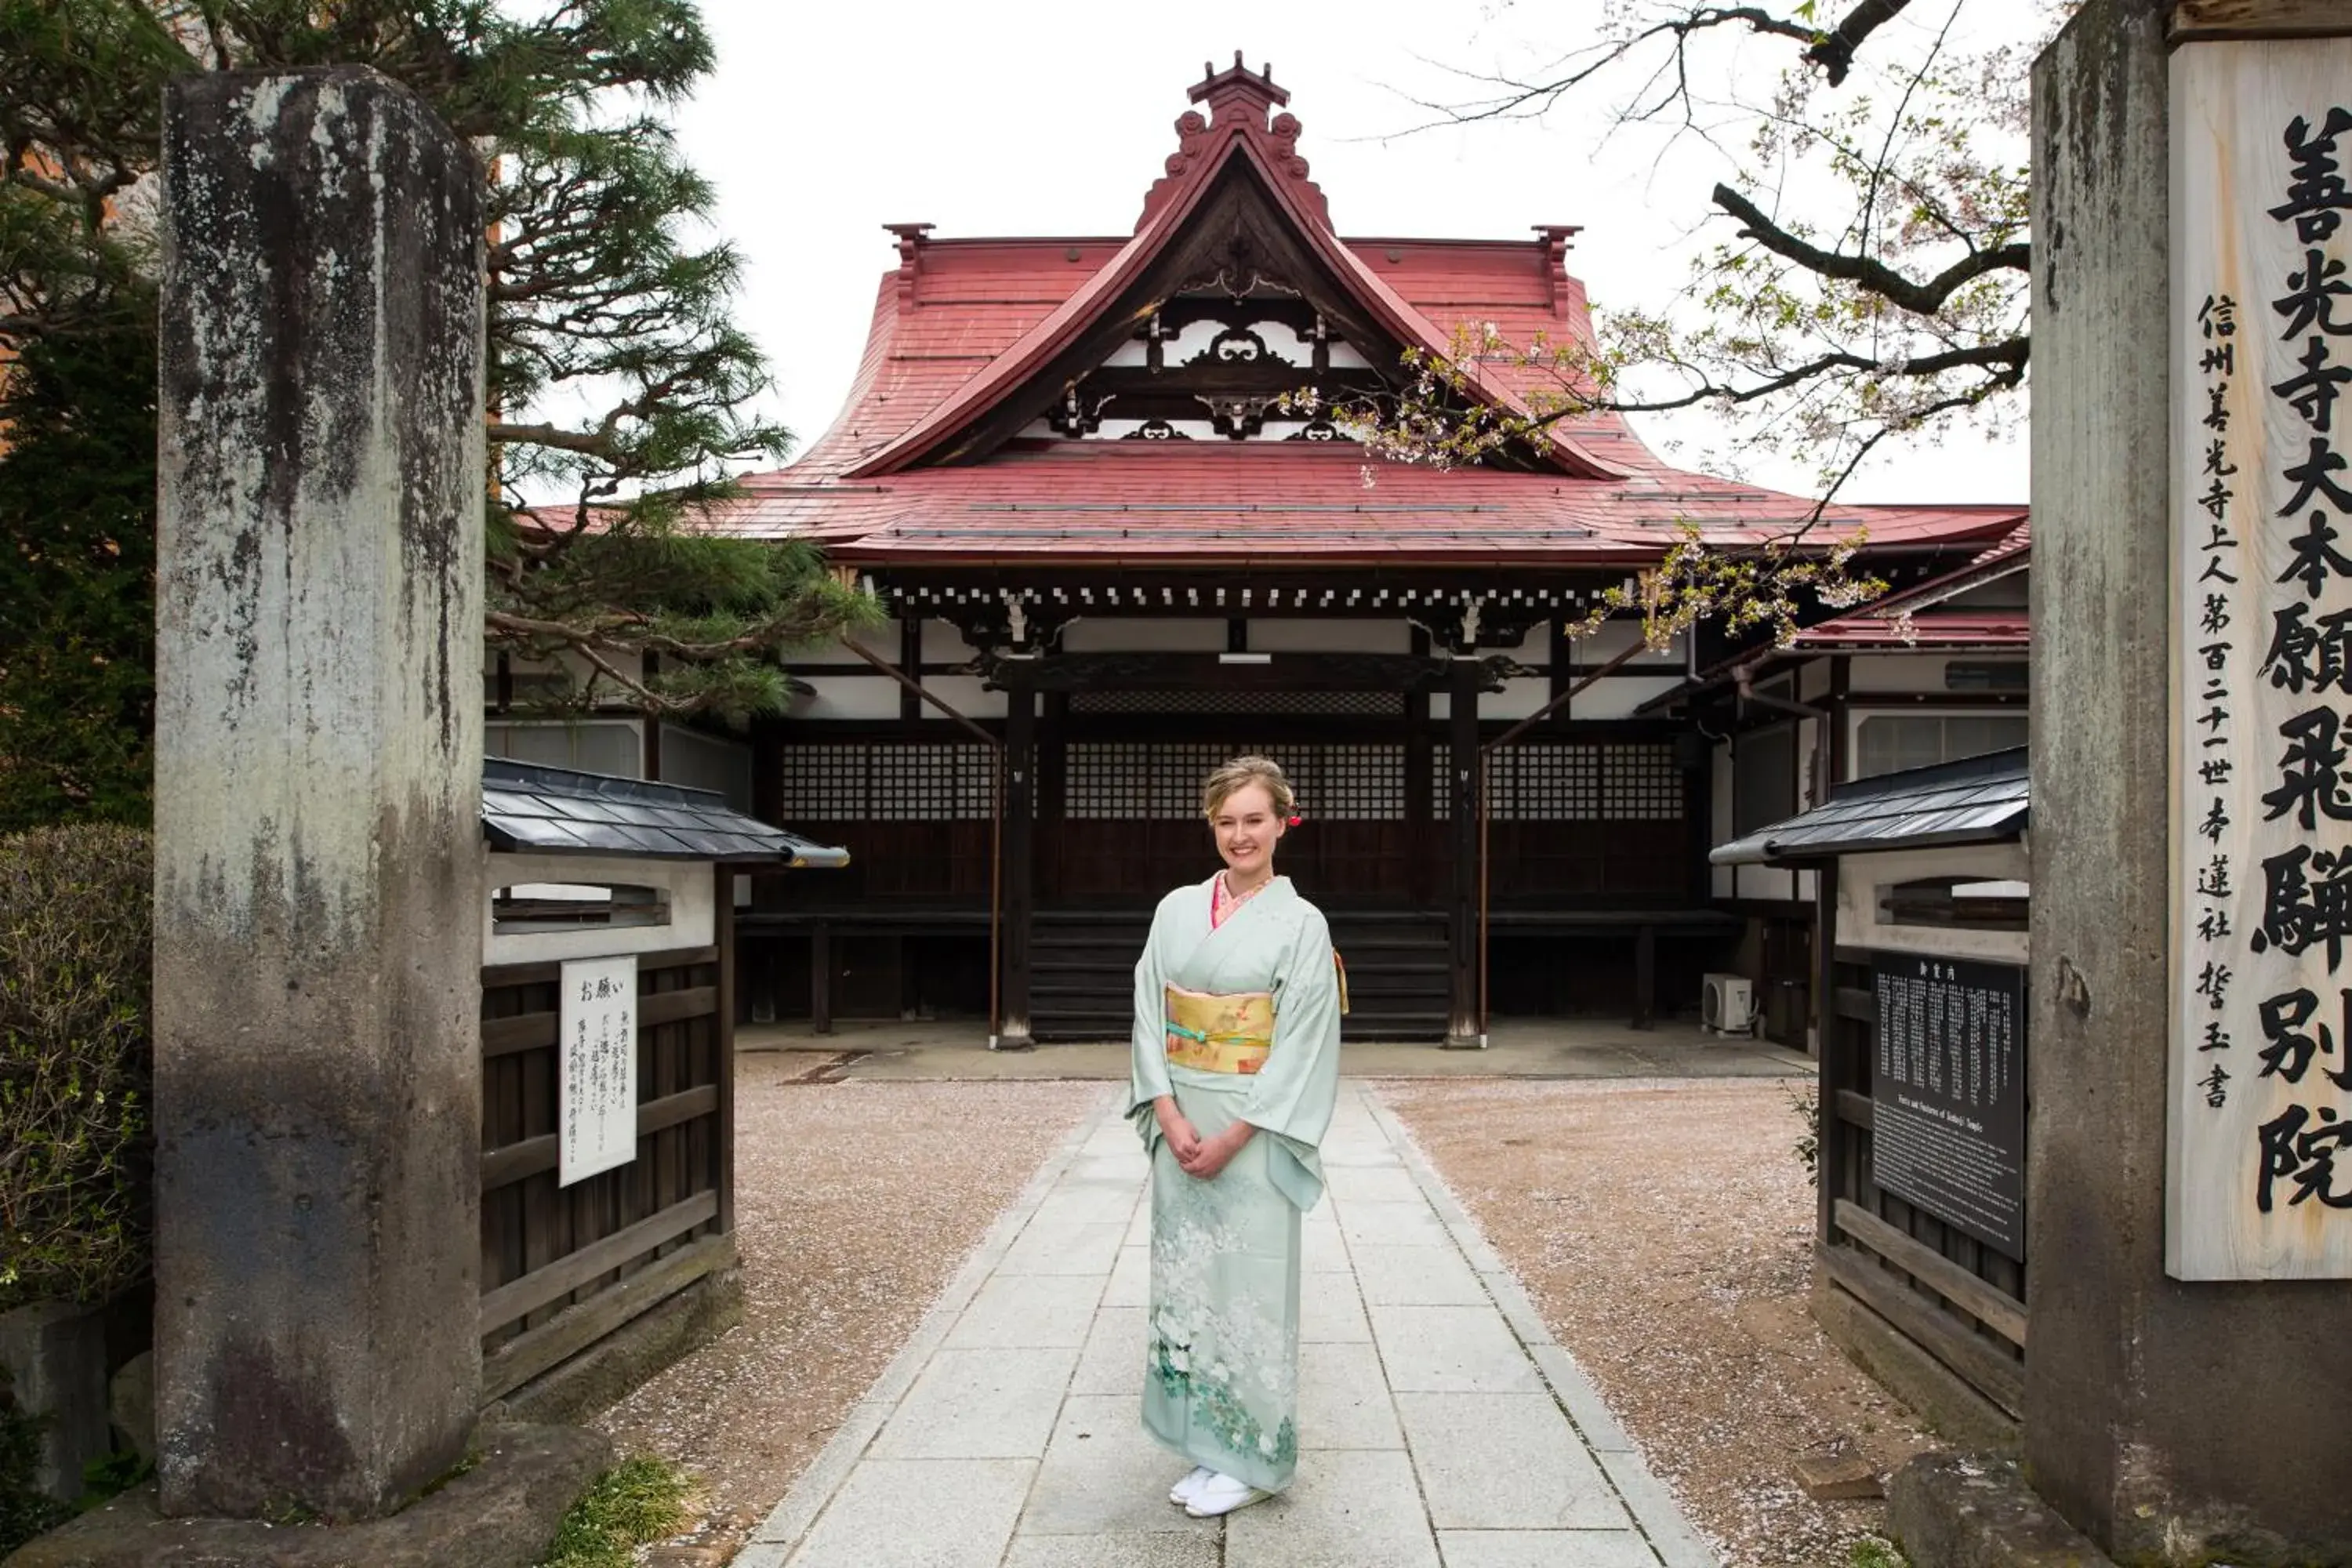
{"points": [[1895, 672], [1613, 638], [874, 696], [943, 644], [1330, 636], [1113, 633], [1617, 696], [615, 746], [1861, 876], [965, 694], [881, 640], [1517, 699], [693, 901], [1814, 680]]}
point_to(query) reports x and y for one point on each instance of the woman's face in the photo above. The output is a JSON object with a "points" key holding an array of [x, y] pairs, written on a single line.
{"points": [[1246, 828]]}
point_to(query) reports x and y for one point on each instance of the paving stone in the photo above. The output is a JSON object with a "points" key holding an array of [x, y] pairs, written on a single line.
{"points": [[1139, 1228], [1029, 1310], [1113, 1360], [1368, 1151], [1452, 1349], [1392, 1225], [1329, 1311], [1349, 1509], [931, 1513], [1543, 1548], [1585, 1406], [1111, 1202], [1505, 1461], [1321, 1250], [1343, 1399], [1131, 1278], [1375, 1183], [980, 1405], [1661, 1517], [1415, 1277], [1103, 1475], [1044, 1247], [1123, 1550]]}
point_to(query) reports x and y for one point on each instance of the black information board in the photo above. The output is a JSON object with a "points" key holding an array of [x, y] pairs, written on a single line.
{"points": [[1948, 1091]]}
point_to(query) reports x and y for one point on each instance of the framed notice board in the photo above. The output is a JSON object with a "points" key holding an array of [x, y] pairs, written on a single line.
{"points": [[1947, 1091]]}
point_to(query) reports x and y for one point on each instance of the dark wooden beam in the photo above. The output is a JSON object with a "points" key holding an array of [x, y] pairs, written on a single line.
{"points": [[1207, 672], [1462, 1028], [1020, 886], [910, 664]]}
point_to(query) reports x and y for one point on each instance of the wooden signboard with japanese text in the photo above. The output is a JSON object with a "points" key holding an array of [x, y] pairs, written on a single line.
{"points": [[2259, 1184], [597, 1068]]}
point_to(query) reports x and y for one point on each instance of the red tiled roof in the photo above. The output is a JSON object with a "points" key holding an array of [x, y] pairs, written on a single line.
{"points": [[962, 323]]}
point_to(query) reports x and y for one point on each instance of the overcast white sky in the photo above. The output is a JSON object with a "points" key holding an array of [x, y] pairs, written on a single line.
{"points": [[824, 122]]}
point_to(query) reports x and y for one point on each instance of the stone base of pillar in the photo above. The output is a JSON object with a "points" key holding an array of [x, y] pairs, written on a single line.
{"points": [[1015, 1038], [500, 1514], [1461, 1042], [1951, 1510]]}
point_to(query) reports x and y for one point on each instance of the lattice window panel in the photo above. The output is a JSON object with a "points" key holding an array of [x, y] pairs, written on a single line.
{"points": [[873, 782], [824, 782], [1357, 783], [928, 782], [1108, 780], [1287, 704], [1629, 781], [1640, 782]]}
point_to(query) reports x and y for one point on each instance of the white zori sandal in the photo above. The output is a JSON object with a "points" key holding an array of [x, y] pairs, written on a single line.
{"points": [[1221, 1494], [1183, 1491]]}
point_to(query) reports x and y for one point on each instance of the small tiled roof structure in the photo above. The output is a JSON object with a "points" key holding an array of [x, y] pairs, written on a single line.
{"points": [[1979, 800], [966, 332], [558, 811]]}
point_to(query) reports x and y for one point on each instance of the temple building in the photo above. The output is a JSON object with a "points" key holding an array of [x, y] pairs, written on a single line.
{"points": [[1112, 553]]}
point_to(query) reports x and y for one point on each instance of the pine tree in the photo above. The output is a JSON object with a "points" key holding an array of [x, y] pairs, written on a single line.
{"points": [[620, 388]]}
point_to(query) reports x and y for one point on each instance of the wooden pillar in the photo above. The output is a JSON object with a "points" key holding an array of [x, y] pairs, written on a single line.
{"points": [[821, 978], [1019, 873], [1462, 1028], [910, 665], [1419, 813], [1646, 975]]}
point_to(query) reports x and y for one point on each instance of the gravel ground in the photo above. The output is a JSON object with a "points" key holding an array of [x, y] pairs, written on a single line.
{"points": [[1665, 1228], [854, 1203]]}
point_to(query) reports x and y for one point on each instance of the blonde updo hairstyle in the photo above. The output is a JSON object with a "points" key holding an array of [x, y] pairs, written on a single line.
{"points": [[1241, 773]]}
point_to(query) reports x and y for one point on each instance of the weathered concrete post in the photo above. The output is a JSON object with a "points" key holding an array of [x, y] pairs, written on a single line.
{"points": [[318, 752], [2164, 1415]]}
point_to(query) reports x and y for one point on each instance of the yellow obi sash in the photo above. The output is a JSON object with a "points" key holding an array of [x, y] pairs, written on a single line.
{"points": [[1220, 1034]]}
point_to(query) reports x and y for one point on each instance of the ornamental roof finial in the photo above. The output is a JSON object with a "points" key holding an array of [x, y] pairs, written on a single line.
{"points": [[1247, 92]]}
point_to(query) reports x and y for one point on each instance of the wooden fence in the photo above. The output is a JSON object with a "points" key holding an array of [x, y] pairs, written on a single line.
{"points": [[1957, 1298], [562, 1268]]}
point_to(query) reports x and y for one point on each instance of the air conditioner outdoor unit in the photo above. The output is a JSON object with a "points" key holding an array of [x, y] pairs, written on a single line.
{"points": [[1729, 1005]]}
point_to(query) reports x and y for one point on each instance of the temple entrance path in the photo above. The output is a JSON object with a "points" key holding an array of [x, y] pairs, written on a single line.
{"points": [[1440, 1427]]}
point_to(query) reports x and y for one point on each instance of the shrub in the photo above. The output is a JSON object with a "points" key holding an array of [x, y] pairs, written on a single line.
{"points": [[25, 1511], [75, 1055]]}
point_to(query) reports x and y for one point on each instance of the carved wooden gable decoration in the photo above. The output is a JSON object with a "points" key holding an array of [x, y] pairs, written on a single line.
{"points": [[1233, 303]]}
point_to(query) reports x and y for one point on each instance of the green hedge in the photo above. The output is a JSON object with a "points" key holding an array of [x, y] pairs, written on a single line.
{"points": [[75, 1054]]}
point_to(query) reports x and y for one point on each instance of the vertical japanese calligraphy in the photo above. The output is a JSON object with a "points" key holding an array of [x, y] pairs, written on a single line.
{"points": [[597, 1068], [2259, 1185]]}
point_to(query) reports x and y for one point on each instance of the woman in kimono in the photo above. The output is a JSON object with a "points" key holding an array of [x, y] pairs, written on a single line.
{"points": [[1236, 1068]]}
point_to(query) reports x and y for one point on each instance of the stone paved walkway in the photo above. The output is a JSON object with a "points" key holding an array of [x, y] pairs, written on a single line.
{"points": [[1438, 1424]]}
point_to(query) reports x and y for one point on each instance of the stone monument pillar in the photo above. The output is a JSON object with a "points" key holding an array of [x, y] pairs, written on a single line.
{"points": [[318, 773], [2169, 1403]]}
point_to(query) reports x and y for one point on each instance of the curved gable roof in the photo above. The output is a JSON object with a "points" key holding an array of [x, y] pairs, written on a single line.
{"points": [[1239, 137]]}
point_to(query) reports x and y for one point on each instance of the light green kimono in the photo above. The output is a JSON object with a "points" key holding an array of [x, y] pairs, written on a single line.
{"points": [[1221, 1380]]}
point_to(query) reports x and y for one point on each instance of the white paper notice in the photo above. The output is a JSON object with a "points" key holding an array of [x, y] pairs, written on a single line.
{"points": [[2259, 1185], [597, 1068]]}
